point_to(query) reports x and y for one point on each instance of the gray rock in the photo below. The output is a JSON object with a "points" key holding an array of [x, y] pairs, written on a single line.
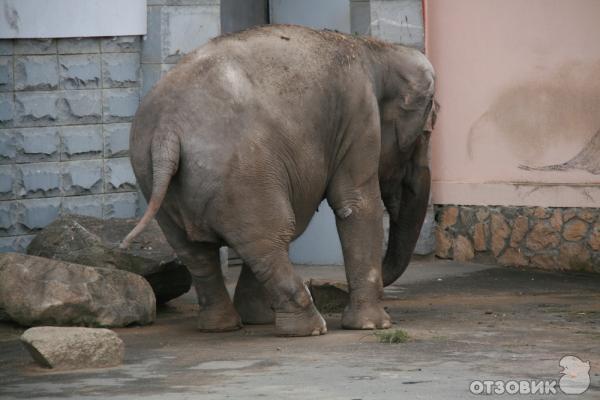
{"points": [[73, 348], [94, 242], [39, 291], [34, 214]]}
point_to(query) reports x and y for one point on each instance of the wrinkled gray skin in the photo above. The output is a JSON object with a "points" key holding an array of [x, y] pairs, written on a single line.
{"points": [[239, 143]]}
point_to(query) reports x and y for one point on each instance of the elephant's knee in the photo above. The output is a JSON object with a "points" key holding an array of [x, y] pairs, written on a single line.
{"points": [[343, 212], [364, 206]]}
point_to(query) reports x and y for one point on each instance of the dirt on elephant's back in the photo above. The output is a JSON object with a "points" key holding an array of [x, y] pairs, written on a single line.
{"points": [[345, 47]]}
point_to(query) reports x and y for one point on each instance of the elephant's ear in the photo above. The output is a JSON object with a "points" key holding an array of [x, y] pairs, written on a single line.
{"points": [[432, 116]]}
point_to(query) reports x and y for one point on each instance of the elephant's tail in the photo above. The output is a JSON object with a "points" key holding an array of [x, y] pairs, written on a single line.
{"points": [[165, 162]]}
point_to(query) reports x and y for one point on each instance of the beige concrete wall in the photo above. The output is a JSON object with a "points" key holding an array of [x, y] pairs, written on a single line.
{"points": [[519, 87]]}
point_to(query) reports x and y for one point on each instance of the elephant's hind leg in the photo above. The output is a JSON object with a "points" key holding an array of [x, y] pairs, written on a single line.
{"points": [[261, 237], [251, 299], [295, 313], [216, 313]]}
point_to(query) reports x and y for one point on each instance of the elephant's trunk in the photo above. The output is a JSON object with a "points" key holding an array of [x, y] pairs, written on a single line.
{"points": [[407, 206]]}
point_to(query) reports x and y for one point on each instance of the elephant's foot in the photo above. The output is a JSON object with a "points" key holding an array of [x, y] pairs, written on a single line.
{"points": [[254, 310], [219, 319], [307, 322], [365, 316]]}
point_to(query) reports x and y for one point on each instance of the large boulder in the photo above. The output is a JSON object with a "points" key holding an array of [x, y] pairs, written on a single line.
{"points": [[94, 242], [73, 348], [39, 291]]}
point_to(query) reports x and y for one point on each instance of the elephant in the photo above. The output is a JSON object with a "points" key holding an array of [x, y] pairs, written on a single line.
{"points": [[240, 142]]}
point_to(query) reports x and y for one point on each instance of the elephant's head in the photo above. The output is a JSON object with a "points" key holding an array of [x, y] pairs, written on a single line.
{"points": [[408, 113]]}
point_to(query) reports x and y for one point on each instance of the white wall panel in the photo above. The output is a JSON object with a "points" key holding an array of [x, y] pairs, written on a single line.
{"points": [[71, 18]]}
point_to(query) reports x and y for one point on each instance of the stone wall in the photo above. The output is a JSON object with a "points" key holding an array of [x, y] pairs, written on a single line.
{"points": [[398, 21], [175, 27], [65, 112], [548, 238]]}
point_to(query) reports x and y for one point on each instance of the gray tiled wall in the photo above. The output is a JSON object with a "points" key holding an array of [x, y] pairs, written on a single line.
{"points": [[65, 112], [66, 107], [175, 27]]}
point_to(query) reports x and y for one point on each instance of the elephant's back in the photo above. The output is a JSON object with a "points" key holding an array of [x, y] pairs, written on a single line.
{"points": [[276, 80], [266, 65], [279, 80], [290, 71]]}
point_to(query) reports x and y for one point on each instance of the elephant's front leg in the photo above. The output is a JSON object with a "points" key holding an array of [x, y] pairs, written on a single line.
{"points": [[359, 214]]}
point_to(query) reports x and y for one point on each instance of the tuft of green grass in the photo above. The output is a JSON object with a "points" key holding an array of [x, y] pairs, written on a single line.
{"points": [[391, 336]]}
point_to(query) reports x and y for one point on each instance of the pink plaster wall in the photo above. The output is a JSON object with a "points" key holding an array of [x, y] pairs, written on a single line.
{"points": [[519, 88]]}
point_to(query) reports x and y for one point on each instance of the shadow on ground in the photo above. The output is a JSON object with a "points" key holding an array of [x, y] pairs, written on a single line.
{"points": [[465, 321]]}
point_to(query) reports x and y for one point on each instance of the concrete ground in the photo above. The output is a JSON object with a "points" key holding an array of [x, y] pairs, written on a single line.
{"points": [[466, 322]]}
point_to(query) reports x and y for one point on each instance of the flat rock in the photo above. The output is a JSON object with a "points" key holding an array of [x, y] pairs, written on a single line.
{"points": [[330, 297], [74, 347], [94, 242], [39, 291]]}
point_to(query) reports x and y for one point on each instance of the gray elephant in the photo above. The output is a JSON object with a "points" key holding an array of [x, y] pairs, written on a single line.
{"points": [[240, 142]]}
